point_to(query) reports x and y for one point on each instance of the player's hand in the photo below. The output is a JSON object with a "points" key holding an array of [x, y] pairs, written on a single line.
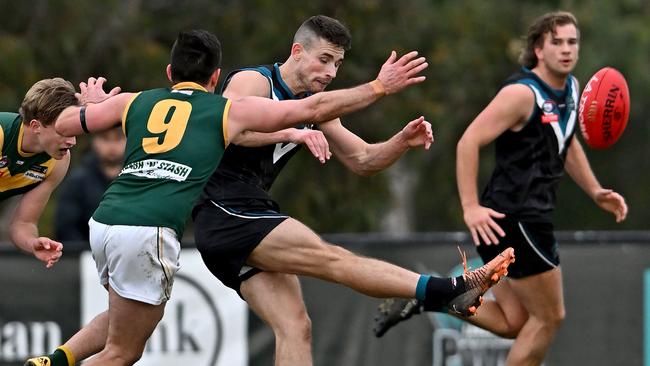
{"points": [[612, 202], [47, 250], [315, 142], [93, 91], [397, 74], [418, 133], [480, 221]]}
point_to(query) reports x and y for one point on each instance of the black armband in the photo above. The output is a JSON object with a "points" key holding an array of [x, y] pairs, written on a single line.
{"points": [[82, 118]]}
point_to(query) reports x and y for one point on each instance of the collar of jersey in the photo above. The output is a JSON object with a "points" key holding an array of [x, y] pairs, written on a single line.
{"points": [[189, 85], [21, 134]]}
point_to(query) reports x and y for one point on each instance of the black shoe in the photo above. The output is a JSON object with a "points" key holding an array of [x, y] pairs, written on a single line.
{"points": [[393, 311]]}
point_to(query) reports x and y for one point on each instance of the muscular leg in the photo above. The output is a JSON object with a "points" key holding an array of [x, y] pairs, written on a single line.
{"points": [[277, 299], [294, 248], [541, 295], [130, 325]]}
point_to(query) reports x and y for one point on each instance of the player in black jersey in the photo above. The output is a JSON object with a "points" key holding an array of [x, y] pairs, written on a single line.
{"points": [[253, 248], [532, 121]]}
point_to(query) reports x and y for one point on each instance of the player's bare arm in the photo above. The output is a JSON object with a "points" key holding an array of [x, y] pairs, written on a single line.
{"points": [[24, 224], [510, 109], [98, 117], [578, 168], [252, 83], [366, 159], [263, 114]]}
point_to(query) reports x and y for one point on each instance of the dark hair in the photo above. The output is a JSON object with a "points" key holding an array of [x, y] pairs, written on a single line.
{"points": [[321, 26], [535, 36], [195, 55], [46, 99]]}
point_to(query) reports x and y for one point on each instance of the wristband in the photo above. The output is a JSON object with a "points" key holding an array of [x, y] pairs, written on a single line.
{"points": [[378, 87], [82, 118]]}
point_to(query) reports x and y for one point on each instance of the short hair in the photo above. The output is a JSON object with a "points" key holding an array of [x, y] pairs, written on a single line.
{"points": [[321, 26], [535, 36], [46, 99], [194, 57]]}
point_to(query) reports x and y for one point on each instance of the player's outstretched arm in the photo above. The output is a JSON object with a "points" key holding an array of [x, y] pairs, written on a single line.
{"points": [[578, 168], [75, 121], [24, 223], [366, 159]]}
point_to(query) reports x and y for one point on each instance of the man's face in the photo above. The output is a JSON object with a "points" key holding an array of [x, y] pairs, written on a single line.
{"points": [[319, 64], [559, 52], [109, 146], [53, 144]]}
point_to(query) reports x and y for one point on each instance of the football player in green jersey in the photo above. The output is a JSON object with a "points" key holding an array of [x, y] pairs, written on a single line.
{"points": [[34, 160], [175, 139]]}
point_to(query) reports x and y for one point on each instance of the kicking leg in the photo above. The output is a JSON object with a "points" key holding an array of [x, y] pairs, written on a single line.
{"points": [[294, 248], [277, 299]]}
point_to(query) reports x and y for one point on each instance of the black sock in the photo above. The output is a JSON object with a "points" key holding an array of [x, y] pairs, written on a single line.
{"points": [[440, 291]]}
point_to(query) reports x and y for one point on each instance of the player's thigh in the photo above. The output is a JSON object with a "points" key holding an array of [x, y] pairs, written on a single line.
{"points": [[277, 299], [541, 294], [290, 247]]}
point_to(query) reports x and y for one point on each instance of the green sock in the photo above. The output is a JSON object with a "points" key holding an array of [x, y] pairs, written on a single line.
{"points": [[59, 358]]}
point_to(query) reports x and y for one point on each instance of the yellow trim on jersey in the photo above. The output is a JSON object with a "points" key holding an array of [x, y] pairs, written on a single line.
{"points": [[126, 111], [189, 85], [20, 143], [224, 122], [8, 183], [2, 139]]}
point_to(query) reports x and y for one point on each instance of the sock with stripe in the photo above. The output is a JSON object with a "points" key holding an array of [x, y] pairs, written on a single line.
{"points": [[435, 292]]}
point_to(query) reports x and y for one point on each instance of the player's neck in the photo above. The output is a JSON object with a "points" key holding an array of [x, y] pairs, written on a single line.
{"points": [[554, 80], [290, 77], [29, 142]]}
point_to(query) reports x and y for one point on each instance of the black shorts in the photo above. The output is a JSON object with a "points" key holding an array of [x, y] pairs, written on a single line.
{"points": [[536, 249], [225, 235]]}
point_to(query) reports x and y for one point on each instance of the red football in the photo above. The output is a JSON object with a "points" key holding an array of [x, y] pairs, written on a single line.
{"points": [[604, 108]]}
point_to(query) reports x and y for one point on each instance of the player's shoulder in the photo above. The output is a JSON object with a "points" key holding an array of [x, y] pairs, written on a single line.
{"points": [[247, 83]]}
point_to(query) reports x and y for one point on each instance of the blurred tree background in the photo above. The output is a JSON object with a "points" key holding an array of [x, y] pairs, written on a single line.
{"points": [[471, 46]]}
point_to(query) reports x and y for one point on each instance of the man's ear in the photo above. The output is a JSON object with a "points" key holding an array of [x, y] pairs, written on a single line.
{"points": [[169, 72], [296, 51], [35, 125]]}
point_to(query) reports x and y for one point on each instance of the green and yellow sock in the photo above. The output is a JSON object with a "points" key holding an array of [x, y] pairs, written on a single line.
{"points": [[62, 357]]}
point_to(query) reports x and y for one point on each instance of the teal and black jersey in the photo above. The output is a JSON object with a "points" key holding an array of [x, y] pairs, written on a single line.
{"points": [[249, 172], [175, 140], [19, 171], [530, 162]]}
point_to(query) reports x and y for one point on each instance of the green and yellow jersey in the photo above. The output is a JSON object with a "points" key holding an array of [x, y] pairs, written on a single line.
{"points": [[175, 140], [19, 171]]}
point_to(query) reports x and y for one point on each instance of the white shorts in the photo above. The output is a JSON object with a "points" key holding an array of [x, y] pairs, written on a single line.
{"points": [[139, 262]]}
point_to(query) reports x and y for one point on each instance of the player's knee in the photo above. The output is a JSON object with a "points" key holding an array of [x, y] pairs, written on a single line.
{"points": [[296, 327], [557, 318]]}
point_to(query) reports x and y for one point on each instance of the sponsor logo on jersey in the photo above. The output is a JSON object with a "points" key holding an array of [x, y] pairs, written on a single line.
{"points": [[548, 106], [158, 169], [33, 175], [38, 168], [549, 118], [4, 161]]}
